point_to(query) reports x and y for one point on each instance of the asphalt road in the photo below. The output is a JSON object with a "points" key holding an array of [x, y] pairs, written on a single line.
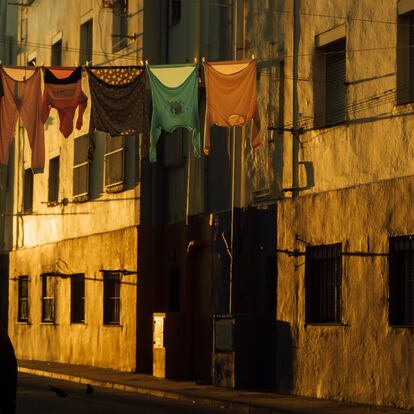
{"points": [[35, 396]]}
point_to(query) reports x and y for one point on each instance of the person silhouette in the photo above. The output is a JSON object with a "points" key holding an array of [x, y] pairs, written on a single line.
{"points": [[8, 374]]}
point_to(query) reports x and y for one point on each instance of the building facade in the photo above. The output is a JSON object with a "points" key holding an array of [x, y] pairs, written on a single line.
{"points": [[288, 267], [73, 250]]}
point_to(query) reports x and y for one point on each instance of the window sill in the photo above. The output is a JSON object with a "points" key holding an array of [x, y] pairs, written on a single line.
{"points": [[44, 323], [23, 323], [115, 188], [112, 325], [402, 326], [78, 323]]}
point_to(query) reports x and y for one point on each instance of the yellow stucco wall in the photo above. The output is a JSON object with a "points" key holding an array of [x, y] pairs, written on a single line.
{"points": [[91, 343]]}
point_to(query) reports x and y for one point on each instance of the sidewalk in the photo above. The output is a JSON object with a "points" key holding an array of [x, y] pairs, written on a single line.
{"points": [[242, 401]]}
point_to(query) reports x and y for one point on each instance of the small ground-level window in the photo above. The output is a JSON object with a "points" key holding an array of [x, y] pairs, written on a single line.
{"points": [[112, 299], [77, 303], [323, 280], [23, 298], [401, 280], [48, 299]]}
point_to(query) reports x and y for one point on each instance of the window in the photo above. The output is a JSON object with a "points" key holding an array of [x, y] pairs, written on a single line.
{"points": [[330, 82], [86, 42], [112, 285], [56, 58], [175, 12], [405, 58], [77, 302], [23, 297], [323, 279], [81, 166], [53, 194], [114, 160], [401, 280], [120, 25], [48, 299], [28, 190]]}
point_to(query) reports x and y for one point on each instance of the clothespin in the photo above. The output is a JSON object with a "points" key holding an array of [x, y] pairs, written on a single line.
{"points": [[252, 56], [87, 63], [141, 62], [195, 60], [203, 59], [146, 62], [1, 62]]}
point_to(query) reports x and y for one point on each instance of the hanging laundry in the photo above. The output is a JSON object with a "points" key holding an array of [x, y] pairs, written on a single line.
{"points": [[174, 101], [22, 95], [118, 100], [63, 92], [231, 98]]}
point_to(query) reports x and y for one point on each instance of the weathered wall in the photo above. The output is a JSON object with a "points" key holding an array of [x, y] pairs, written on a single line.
{"points": [[364, 359], [91, 343], [106, 212]]}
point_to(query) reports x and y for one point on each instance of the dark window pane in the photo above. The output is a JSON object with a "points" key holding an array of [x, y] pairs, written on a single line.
{"points": [[77, 299], [48, 299], [28, 190], [53, 196], [57, 53], [86, 42], [401, 280], [23, 297]]}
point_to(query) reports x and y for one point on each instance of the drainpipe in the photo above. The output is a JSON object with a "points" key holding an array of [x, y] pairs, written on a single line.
{"points": [[295, 108]]}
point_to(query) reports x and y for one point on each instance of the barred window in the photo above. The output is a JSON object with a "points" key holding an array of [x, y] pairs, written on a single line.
{"points": [[401, 280], [81, 166], [323, 280], [23, 297], [77, 300], [112, 300], [48, 299], [114, 160]]}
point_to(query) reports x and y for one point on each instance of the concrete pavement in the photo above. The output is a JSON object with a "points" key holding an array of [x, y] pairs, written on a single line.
{"points": [[237, 400]]}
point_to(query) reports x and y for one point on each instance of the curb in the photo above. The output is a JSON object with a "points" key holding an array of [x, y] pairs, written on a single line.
{"points": [[192, 399]]}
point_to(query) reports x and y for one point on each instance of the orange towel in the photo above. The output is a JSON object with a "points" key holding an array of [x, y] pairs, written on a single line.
{"points": [[231, 98]]}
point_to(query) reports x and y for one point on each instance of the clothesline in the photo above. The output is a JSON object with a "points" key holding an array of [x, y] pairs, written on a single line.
{"points": [[118, 101]]}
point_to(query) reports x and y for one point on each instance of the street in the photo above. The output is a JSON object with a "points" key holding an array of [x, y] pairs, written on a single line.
{"points": [[40, 395]]}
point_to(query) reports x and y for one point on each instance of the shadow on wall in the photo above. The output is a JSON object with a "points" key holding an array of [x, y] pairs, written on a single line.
{"points": [[284, 357]]}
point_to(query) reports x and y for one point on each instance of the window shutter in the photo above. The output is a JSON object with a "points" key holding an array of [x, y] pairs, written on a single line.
{"points": [[81, 166], [335, 94], [114, 160], [411, 57]]}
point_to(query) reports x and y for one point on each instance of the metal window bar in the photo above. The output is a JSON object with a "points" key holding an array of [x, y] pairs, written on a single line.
{"points": [[112, 305], [323, 279]]}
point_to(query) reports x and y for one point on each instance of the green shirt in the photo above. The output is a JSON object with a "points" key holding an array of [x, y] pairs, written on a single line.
{"points": [[174, 91]]}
